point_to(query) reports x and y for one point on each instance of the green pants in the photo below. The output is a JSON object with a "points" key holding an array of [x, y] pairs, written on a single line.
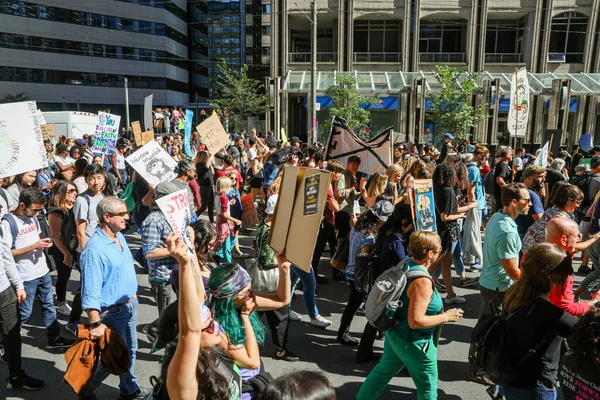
{"points": [[419, 359]]}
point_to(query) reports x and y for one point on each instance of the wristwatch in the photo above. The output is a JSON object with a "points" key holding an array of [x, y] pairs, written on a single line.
{"points": [[95, 324]]}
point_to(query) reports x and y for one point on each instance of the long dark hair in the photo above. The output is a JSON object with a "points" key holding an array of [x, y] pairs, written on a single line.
{"points": [[367, 222], [301, 385], [584, 342], [204, 232], [444, 176], [59, 194], [400, 218], [545, 265]]}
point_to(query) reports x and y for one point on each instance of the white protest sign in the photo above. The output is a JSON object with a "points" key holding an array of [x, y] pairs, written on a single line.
{"points": [[21, 144], [148, 113], [153, 163], [107, 133], [542, 159], [176, 209]]}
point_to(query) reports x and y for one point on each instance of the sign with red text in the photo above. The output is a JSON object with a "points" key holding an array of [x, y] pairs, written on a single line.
{"points": [[176, 209]]}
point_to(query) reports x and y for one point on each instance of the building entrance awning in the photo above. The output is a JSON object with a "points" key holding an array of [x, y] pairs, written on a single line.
{"points": [[396, 82]]}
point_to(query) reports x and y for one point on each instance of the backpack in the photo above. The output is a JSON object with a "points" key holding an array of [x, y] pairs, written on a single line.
{"points": [[583, 183], [366, 270], [489, 182], [14, 228], [495, 356], [68, 228], [384, 297]]}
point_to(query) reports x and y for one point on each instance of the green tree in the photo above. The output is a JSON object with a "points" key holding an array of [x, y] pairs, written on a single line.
{"points": [[15, 98], [240, 96], [451, 108], [346, 103]]}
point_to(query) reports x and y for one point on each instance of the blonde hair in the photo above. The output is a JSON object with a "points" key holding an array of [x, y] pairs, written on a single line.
{"points": [[394, 170], [276, 185], [223, 185], [260, 154], [409, 161], [421, 242], [378, 184]]}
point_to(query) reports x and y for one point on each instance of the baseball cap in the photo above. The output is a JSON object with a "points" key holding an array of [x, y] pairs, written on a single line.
{"points": [[81, 142], [527, 155], [86, 136], [271, 203], [295, 139], [448, 136], [382, 209], [532, 170]]}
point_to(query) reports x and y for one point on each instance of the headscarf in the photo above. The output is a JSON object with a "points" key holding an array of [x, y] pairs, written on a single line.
{"points": [[232, 286]]}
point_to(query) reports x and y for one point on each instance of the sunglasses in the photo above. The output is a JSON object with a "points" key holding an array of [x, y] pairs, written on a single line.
{"points": [[120, 214], [210, 329], [72, 191], [35, 210]]}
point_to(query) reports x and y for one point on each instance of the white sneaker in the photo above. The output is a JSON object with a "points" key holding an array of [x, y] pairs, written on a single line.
{"points": [[294, 316], [455, 300], [64, 308], [320, 322]]}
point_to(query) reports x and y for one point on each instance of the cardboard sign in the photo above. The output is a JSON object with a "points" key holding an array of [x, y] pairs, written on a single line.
{"points": [[148, 113], [176, 209], [423, 206], [107, 133], [21, 144], [137, 132], [153, 163], [249, 216], [291, 228], [213, 133], [48, 131]]}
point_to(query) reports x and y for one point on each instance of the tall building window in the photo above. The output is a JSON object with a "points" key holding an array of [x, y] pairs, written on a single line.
{"points": [[266, 9], [503, 36], [567, 36], [442, 41], [377, 36]]}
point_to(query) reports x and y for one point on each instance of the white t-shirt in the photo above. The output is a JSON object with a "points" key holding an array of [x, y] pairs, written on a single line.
{"points": [[251, 153], [31, 265], [64, 161]]}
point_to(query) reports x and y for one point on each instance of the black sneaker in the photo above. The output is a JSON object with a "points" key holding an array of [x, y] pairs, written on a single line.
{"points": [[60, 342], [469, 282], [24, 381], [2, 359], [139, 395], [584, 269], [321, 279]]}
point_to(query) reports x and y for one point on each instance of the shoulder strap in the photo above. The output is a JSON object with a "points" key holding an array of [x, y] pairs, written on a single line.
{"points": [[5, 197], [14, 229]]}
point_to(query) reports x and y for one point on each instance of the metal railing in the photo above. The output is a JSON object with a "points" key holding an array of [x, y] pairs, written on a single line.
{"points": [[305, 57], [442, 57], [377, 57], [504, 58]]}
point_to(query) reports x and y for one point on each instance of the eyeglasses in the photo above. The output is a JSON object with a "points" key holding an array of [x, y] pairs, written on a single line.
{"points": [[72, 191], [120, 214], [210, 328], [527, 200], [35, 210]]}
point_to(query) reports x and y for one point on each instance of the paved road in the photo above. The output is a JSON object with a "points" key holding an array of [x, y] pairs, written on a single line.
{"points": [[316, 347]]}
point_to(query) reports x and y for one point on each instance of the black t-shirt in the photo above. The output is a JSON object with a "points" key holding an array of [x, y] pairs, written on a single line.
{"points": [[578, 381], [553, 176], [445, 150], [540, 323], [204, 175], [140, 190], [445, 203], [502, 170]]}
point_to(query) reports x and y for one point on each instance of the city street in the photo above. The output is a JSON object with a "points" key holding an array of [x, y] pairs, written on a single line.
{"points": [[316, 347]]}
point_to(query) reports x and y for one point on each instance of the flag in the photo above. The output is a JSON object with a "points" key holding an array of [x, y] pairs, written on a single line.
{"points": [[189, 116], [375, 154], [542, 159], [519, 103]]}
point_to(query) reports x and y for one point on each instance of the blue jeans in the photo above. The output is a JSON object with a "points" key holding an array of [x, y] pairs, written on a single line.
{"points": [[457, 259], [123, 320], [309, 284], [540, 392], [42, 289]]}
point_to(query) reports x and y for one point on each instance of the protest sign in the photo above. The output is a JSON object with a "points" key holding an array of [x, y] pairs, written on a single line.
{"points": [[21, 144], [542, 159], [148, 113], [189, 116], [48, 131], [176, 209], [107, 133], [153, 163], [213, 133], [249, 216], [137, 132], [423, 206], [147, 137], [298, 214]]}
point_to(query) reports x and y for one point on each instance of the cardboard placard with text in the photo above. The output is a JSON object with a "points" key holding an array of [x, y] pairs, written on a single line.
{"points": [[213, 133], [147, 137], [48, 131], [249, 216], [298, 214], [137, 132], [176, 209]]}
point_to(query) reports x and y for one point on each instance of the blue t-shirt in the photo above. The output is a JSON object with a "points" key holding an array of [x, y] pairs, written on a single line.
{"points": [[502, 242], [525, 221], [235, 210], [474, 176], [358, 240]]}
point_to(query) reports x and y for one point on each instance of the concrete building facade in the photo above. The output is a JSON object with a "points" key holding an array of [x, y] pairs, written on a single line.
{"points": [[375, 39]]}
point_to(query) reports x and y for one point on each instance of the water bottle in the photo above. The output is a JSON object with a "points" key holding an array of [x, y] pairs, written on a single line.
{"points": [[391, 308]]}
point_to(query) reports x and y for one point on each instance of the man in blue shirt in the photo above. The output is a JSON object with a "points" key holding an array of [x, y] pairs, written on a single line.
{"points": [[108, 290], [534, 178]]}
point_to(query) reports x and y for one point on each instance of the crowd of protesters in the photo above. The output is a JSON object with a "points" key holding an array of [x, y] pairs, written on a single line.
{"points": [[513, 224]]}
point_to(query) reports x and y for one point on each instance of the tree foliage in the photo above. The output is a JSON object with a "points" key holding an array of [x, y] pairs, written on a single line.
{"points": [[451, 108], [14, 98], [240, 96], [346, 103]]}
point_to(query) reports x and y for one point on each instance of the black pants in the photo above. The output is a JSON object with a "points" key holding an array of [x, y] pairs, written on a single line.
{"points": [[279, 322], [162, 296], [63, 275], [365, 348], [207, 198], [76, 307], [10, 326], [326, 234], [355, 299], [342, 223]]}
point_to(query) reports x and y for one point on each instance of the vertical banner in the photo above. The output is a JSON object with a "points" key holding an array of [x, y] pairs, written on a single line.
{"points": [[542, 159], [107, 133], [148, 125], [423, 206], [518, 113], [189, 116]]}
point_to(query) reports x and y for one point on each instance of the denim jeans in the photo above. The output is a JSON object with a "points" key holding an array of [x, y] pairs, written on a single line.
{"points": [[123, 320], [540, 392], [42, 289], [309, 284], [457, 260]]}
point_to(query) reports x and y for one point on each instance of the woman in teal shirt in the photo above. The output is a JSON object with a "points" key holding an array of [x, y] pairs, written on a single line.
{"points": [[411, 344]]}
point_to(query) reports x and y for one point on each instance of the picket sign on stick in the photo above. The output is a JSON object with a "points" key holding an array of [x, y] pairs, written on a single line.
{"points": [[107, 133], [213, 133], [137, 132], [48, 131], [153, 163]]}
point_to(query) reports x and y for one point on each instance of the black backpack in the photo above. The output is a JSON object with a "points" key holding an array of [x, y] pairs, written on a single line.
{"points": [[489, 182], [583, 183]]}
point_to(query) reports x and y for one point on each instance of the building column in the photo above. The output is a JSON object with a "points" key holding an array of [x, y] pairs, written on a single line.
{"points": [[416, 13], [406, 32], [341, 35]]}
